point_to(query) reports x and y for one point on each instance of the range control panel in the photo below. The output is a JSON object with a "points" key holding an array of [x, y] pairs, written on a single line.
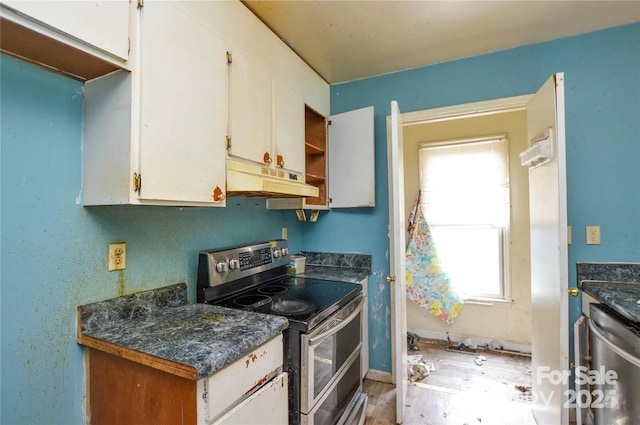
{"points": [[216, 267]]}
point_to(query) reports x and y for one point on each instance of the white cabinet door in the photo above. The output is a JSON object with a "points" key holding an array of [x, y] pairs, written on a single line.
{"points": [[250, 110], [350, 164], [288, 131], [102, 24], [351, 159], [182, 131]]}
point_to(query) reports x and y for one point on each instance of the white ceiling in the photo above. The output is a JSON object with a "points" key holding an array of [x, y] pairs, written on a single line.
{"points": [[349, 40]]}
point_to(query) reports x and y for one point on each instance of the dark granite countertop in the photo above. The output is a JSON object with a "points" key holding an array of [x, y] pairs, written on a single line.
{"points": [[339, 274], [622, 297], [160, 323], [340, 267]]}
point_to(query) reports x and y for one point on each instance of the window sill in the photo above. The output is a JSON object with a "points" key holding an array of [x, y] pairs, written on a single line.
{"points": [[488, 302]]}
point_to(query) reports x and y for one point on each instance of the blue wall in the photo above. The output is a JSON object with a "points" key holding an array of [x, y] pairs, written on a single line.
{"points": [[602, 92], [54, 251]]}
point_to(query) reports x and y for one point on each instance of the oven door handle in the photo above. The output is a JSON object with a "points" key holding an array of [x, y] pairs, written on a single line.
{"points": [[619, 351], [334, 329]]}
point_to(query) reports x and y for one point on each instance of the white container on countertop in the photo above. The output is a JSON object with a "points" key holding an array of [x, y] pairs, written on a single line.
{"points": [[296, 264]]}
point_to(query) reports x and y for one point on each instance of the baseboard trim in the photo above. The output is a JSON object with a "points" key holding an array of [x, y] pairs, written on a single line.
{"points": [[442, 336], [379, 375]]}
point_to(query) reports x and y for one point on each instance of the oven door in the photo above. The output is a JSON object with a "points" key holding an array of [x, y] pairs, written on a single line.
{"points": [[328, 351], [340, 404]]}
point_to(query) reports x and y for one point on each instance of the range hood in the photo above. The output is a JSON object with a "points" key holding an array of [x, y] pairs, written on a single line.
{"points": [[251, 179]]}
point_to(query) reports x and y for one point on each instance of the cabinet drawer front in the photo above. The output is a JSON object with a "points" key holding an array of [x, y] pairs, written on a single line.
{"points": [[239, 380], [268, 406]]}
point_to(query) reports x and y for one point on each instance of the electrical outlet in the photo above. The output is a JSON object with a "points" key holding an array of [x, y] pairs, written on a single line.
{"points": [[284, 233], [568, 235], [593, 235], [117, 256]]}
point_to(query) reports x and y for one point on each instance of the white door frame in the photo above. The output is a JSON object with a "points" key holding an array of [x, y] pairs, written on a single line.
{"points": [[467, 110]]}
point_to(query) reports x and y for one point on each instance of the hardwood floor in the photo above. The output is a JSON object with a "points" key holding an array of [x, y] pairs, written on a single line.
{"points": [[459, 391]]}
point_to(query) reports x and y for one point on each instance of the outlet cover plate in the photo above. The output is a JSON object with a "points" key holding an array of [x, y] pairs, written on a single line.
{"points": [[117, 256], [593, 235]]}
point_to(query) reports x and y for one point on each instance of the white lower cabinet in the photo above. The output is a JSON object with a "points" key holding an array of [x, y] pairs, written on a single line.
{"points": [[252, 390], [268, 406]]}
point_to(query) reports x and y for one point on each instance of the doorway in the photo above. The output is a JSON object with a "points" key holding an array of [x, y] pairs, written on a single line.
{"points": [[506, 320], [546, 161]]}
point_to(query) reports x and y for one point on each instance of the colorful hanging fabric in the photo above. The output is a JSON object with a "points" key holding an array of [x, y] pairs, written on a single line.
{"points": [[427, 285]]}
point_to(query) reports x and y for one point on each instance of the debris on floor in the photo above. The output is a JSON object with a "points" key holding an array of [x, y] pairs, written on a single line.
{"points": [[523, 393], [419, 368], [495, 345], [480, 359], [463, 348], [412, 341]]}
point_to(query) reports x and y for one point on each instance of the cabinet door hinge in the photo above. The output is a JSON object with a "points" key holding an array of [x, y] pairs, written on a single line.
{"points": [[229, 57], [328, 122], [228, 142], [140, 3], [137, 182], [128, 46]]}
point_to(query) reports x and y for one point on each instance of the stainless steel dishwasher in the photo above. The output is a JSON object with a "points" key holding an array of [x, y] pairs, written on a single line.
{"points": [[615, 346]]}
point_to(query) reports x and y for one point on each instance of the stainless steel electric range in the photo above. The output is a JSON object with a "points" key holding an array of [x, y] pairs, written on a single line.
{"points": [[323, 341]]}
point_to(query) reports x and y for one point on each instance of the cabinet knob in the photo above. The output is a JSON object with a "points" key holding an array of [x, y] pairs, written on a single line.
{"points": [[267, 158], [280, 161], [574, 292], [218, 195]]}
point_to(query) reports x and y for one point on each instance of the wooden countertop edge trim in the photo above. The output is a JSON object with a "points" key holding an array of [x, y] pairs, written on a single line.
{"points": [[178, 369], [174, 368]]}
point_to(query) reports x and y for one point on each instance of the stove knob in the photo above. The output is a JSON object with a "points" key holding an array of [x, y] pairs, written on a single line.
{"points": [[285, 251], [234, 264], [277, 252], [221, 266]]}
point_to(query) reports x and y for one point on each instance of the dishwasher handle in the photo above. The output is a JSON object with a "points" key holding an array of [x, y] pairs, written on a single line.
{"points": [[619, 351]]}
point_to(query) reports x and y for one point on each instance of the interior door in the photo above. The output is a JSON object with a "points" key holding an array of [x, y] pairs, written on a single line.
{"points": [[549, 262], [397, 256]]}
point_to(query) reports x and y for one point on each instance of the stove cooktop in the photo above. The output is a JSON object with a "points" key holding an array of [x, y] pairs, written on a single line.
{"points": [[303, 301]]}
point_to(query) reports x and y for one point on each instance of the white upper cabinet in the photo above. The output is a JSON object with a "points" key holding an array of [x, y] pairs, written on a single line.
{"points": [[341, 163], [288, 128], [266, 117], [249, 110], [158, 135], [82, 39], [102, 24], [268, 88], [183, 107]]}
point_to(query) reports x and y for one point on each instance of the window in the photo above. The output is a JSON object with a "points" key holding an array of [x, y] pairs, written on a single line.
{"points": [[465, 200]]}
